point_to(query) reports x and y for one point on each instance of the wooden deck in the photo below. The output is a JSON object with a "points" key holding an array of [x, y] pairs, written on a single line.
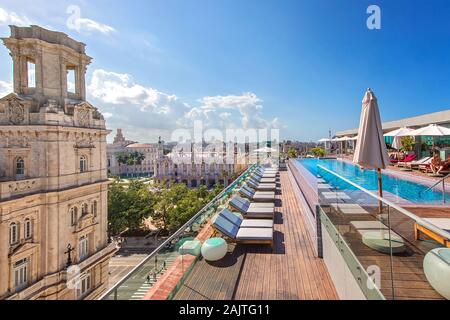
{"points": [[290, 270], [409, 281]]}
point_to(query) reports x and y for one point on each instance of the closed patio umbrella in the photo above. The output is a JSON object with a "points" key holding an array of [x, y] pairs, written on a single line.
{"points": [[371, 153]]}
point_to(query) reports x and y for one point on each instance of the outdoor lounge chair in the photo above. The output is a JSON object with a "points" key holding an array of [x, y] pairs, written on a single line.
{"points": [[265, 175], [260, 170], [263, 180], [261, 186], [442, 223], [408, 158], [252, 210], [253, 195], [240, 222], [413, 162], [242, 235]]}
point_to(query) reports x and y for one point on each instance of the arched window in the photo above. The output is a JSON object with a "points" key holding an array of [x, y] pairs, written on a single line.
{"points": [[84, 209], [13, 233], [94, 208], [73, 216], [20, 167], [83, 164], [28, 228]]}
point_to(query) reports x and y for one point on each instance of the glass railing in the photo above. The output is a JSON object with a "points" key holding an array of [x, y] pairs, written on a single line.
{"points": [[136, 284], [392, 252]]}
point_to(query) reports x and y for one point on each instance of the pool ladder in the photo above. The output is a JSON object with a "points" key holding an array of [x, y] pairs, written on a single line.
{"points": [[434, 185]]}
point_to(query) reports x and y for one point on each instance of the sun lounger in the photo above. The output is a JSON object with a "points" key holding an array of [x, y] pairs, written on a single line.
{"points": [[442, 223], [409, 158], [242, 235], [261, 186], [239, 221], [265, 175], [413, 163], [252, 210], [263, 180], [253, 195]]}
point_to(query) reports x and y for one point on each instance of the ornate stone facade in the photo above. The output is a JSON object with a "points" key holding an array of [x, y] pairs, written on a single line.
{"points": [[53, 176], [151, 152]]}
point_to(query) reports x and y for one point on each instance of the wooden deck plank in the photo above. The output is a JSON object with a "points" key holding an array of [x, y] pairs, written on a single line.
{"points": [[289, 270]]}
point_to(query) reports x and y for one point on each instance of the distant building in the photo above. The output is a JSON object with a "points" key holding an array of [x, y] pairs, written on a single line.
{"points": [[121, 146], [199, 167], [53, 178]]}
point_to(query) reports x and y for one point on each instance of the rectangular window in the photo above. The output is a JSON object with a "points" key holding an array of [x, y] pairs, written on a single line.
{"points": [[83, 247], [21, 274], [71, 80], [84, 286], [31, 69]]}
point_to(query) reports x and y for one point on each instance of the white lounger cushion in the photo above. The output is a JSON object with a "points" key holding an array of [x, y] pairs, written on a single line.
{"points": [[260, 209], [259, 223], [349, 208], [255, 234], [442, 223]]}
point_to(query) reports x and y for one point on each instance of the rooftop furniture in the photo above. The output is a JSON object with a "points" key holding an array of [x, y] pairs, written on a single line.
{"points": [[242, 235], [258, 196], [214, 249], [442, 223], [252, 210], [265, 174], [261, 186], [245, 223], [408, 158], [436, 266], [414, 162], [191, 247], [263, 180], [376, 235]]}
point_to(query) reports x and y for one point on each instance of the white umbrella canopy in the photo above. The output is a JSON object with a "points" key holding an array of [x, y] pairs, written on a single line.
{"points": [[431, 130], [265, 150], [324, 140], [370, 152], [401, 132], [397, 143]]}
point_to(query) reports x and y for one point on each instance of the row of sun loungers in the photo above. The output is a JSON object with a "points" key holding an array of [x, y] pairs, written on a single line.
{"points": [[252, 221]]}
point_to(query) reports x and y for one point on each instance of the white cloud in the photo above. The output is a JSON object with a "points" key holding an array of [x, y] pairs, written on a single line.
{"points": [[5, 88], [7, 18], [148, 112], [91, 25], [76, 22], [120, 89]]}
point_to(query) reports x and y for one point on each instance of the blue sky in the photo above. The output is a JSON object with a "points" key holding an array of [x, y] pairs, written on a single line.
{"points": [[301, 66]]}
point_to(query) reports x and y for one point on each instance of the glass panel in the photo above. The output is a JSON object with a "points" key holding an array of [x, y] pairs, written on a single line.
{"points": [[385, 246], [136, 284]]}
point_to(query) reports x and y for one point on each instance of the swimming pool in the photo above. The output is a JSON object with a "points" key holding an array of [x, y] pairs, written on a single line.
{"points": [[368, 179]]}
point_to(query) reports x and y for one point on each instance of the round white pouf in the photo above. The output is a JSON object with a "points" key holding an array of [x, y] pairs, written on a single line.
{"points": [[214, 249], [436, 266]]}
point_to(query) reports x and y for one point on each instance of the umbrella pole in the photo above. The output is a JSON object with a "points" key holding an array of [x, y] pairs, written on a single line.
{"points": [[380, 190]]}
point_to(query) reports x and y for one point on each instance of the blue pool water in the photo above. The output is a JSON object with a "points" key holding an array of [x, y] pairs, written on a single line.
{"points": [[368, 179]]}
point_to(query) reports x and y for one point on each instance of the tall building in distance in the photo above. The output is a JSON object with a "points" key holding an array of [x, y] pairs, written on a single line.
{"points": [[131, 159], [53, 174]]}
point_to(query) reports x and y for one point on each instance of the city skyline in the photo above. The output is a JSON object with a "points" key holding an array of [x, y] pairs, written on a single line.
{"points": [[163, 69]]}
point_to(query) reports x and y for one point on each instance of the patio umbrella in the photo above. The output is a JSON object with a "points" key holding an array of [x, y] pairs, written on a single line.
{"points": [[371, 153], [432, 130], [397, 134]]}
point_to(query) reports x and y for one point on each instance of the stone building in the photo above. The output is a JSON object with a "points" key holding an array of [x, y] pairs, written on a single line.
{"points": [[145, 167], [200, 167], [53, 176]]}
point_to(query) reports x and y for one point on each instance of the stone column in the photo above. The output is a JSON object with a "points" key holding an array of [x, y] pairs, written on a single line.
{"points": [[4, 266]]}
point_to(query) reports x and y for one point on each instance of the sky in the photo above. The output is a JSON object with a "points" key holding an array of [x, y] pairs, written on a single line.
{"points": [[301, 66]]}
